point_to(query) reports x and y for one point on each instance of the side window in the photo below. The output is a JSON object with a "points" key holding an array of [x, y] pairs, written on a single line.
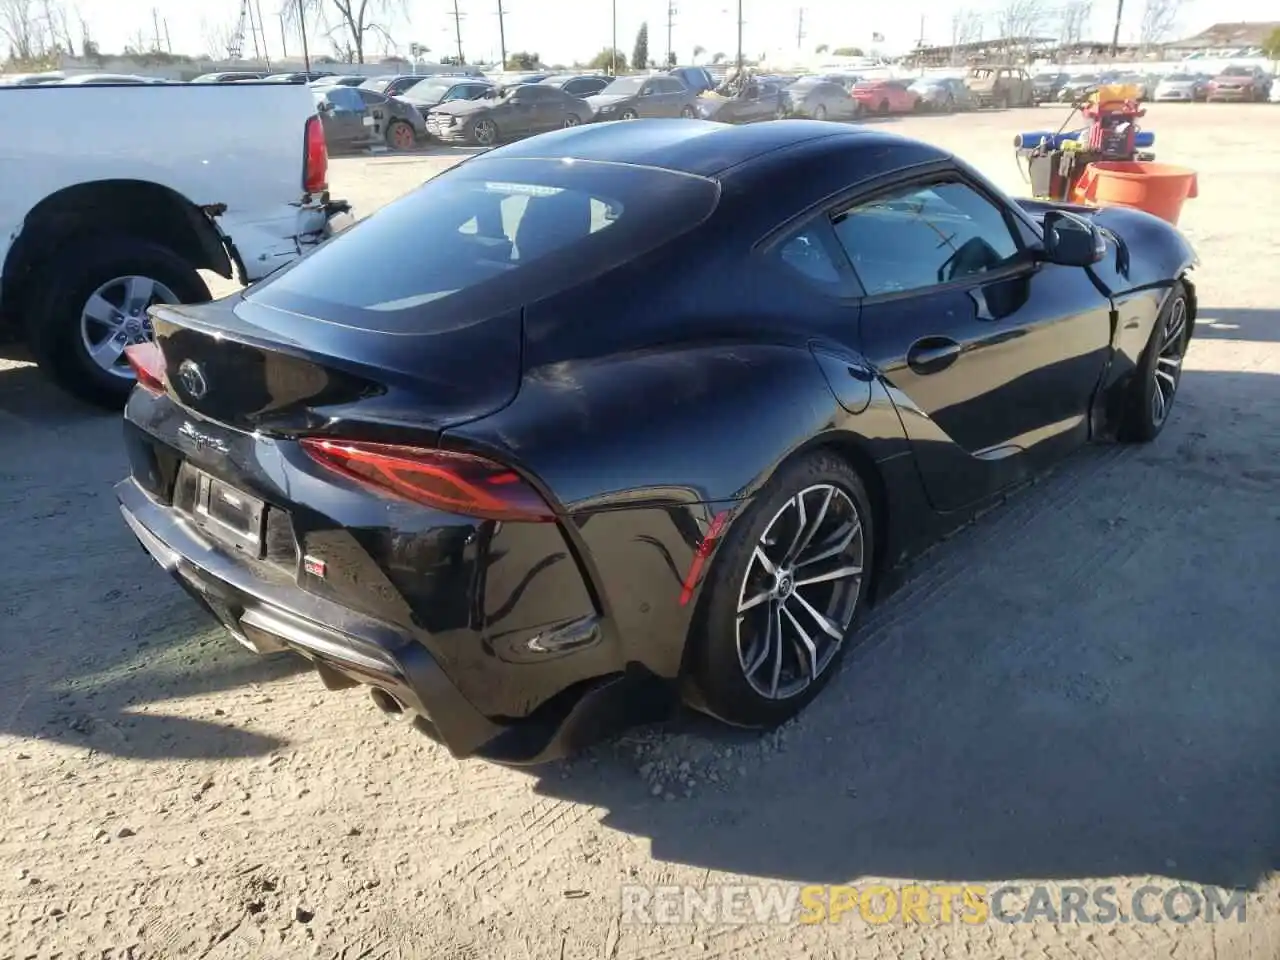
{"points": [[918, 237], [805, 253], [346, 99]]}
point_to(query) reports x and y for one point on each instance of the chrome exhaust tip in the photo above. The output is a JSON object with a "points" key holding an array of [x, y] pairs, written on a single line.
{"points": [[387, 703]]}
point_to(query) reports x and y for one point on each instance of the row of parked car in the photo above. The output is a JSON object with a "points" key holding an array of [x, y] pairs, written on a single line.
{"points": [[1234, 84]]}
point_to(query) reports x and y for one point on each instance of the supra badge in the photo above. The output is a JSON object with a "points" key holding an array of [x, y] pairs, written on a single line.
{"points": [[202, 441]]}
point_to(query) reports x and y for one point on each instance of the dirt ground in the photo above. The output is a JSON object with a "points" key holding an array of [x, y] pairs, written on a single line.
{"points": [[1081, 688]]}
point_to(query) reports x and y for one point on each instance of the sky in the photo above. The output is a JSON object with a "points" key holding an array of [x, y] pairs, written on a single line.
{"points": [[566, 30]]}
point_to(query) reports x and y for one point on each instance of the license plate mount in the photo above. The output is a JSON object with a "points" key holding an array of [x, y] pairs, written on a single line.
{"points": [[229, 515]]}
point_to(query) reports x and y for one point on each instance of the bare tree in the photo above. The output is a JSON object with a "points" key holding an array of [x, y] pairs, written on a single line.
{"points": [[347, 23], [966, 27], [21, 28], [1019, 19], [1159, 17], [1076, 15], [218, 37]]}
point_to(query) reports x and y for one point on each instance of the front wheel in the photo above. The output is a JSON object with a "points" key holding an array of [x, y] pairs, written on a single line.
{"points": [[628, 115], [90, 303], [571, 120], [1156, 381], [884, 107], [784, 592], [820, 112], [484, 132]]}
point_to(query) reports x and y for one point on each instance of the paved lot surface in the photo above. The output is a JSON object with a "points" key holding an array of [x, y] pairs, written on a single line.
{"points": [[1081, 688]]}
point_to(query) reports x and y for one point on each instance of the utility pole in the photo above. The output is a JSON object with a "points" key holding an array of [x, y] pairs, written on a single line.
{"points": [[457, 29], [168, 40], [613, 47], [671, 19], [800, 30], [155, 18], [1115, 34], [253, 31], [740, 61], [502, 34], [284, 39], [262, 28]]}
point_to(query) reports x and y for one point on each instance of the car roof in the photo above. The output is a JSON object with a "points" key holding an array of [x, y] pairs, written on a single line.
{"points": [[700, 147]]}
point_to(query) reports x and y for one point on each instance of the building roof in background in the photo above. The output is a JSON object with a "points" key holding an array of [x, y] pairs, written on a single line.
{"points": [[1222, 35]]}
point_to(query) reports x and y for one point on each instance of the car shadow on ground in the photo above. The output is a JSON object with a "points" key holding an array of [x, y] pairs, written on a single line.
{"points": [[1078, 686], [1220, 323], [95, 638]]}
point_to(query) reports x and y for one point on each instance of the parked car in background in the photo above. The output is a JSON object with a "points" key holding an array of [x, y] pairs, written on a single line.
{"points": [[354, 118], [506, 113], [429, 93], [1000, 87], [943, 94], [697, 79], [820, 99], [1275, 91], [846, 80], [579, 84], [90, 238], [394, 85], [229, 76], [1046, 86], [111, 79], [1140, 81], [31, 79], [1079, 87], [757, 100], [1180, 87], [886, 96], [297, 77], [403, 124], [630, 98], [1238, 83]]}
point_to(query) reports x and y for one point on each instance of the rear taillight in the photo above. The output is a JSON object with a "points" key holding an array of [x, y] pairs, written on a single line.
{"points": [[315, 164], [148, 365], [455, 482]]}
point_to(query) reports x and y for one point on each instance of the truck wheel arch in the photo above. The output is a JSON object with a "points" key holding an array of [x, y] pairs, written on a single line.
{"points": [[136, 208]]}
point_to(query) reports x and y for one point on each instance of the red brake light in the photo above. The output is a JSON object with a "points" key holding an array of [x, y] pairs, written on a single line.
{"points": [[701, 555], [315, 168], [456, 482], [148, 365]]}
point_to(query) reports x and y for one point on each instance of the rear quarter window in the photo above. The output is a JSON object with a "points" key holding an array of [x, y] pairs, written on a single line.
{"points": [[486, 237]]}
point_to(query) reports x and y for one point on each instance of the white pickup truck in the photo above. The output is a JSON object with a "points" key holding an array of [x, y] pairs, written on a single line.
{"points": [[113, 198]]}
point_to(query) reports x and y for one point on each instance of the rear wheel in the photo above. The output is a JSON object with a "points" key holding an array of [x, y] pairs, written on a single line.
{"points": [[820, 112], [1156, 381], [785, 590], [884, 107], [571, 120], [91, 303], [628, 115], [400, 136], [689, 113]]}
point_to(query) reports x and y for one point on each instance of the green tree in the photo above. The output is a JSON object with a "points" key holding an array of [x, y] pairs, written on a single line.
{"points": [[1271, 45], [697, 52], [605, 59], [847, 52], [821, 48], [718, 58], [640, 54], [522, 60]]}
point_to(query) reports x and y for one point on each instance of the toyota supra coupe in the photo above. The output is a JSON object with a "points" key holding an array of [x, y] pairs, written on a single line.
{"points": [[634, 413]]}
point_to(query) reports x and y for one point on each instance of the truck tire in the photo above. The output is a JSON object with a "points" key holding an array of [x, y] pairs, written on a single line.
{"points": [[111, 276]]}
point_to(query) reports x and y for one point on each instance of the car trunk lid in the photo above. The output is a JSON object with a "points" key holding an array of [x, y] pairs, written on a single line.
{"points": [[256, 368]]}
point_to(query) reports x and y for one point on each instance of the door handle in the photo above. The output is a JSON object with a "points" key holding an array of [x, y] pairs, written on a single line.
{"points": [[932, 354]]}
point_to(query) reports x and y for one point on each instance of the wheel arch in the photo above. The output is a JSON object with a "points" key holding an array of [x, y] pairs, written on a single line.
{"points": [[138, 208]]}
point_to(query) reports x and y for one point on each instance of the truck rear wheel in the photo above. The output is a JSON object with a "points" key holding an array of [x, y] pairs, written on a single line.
{"points": [[91, 302]]}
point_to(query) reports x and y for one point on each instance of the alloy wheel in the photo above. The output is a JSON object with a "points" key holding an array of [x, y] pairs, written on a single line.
{"points": [[115, 317], [800, 591], [402, 137], [1168, 367], [485, 132], [570, 121]]}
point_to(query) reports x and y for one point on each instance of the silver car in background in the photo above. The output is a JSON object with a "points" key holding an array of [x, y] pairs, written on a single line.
{"points": [[1180, 87], [943, 94]]}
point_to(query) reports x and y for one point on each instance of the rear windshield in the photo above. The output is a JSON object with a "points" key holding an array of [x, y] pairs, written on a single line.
{"points": [[485, 237]]}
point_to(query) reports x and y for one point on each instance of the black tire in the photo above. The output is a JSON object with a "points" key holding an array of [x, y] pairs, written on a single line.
{"points": [[628, 115], [820, 112], [884, 107], [64, 286], [720, 686], [1140, 422], [689, 113], [474, 132], [950, 105]]}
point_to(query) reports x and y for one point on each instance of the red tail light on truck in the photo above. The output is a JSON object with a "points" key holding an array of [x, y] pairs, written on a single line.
{"points": [[315, 168]]}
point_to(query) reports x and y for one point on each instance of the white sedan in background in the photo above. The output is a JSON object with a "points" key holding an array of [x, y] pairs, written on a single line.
{"points": [[1180, 87]]}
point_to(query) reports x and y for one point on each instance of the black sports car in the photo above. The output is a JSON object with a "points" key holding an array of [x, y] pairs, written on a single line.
{"points": [[633, 410]]}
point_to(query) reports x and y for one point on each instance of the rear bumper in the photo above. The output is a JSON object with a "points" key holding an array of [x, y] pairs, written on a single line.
{"points": [[268, 613]]}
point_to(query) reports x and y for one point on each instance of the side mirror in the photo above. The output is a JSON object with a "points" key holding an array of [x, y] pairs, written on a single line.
{"points": [[1072, 241]]}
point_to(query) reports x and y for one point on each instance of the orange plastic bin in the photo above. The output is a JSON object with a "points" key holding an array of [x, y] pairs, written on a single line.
{"points": [[1158, 188]]}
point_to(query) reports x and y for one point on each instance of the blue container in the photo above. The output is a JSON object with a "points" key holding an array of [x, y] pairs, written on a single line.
{"points": [[1143, 140]]}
